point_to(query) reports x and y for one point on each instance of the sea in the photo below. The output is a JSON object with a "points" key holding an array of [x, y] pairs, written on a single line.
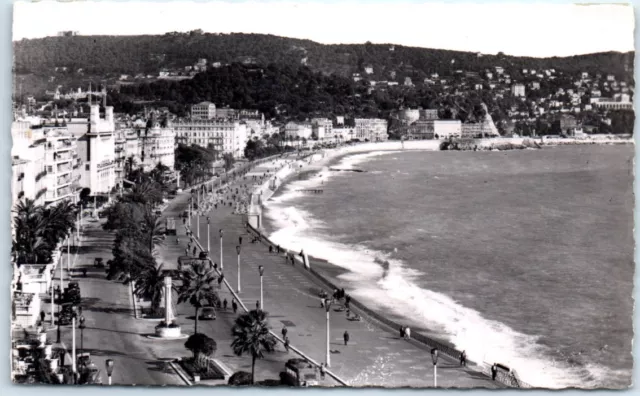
{"points": [[521, 257]]}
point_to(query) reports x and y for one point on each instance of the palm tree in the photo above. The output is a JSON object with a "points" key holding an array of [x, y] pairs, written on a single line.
{"points": [[29, 245], [198, 287], [153, 230], [60, 221], [143, 193], [150, 285], [251, 335]]}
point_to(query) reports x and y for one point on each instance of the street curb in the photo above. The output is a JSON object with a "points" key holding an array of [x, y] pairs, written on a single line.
{"points": [[181, 373]]}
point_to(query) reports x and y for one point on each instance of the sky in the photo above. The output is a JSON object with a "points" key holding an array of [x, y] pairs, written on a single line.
{"points": [[538, 30]]}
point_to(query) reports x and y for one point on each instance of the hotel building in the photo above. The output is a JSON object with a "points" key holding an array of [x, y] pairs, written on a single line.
{"points": [[226, 137], [371, 129]]}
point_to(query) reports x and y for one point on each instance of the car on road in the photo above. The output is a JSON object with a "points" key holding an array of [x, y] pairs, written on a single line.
{"points": [[208, 313]]}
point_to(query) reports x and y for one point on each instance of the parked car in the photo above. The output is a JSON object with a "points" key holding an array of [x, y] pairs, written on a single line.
{"points": [[208, 313], [203, 255]]}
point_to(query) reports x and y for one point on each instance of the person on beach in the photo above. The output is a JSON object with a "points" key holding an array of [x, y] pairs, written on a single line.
{"points": [[234, 306], [463, 358], [346, 337], [224, 304]]}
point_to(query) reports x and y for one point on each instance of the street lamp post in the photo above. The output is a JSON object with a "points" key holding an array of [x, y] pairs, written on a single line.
{"points": [[59, 294], [327, 306], [190, 209], [208, 233], [261, 269], [52, 298], [109, 364], [221, 264], [434, 358], [198, 223], [82, 326], [238, 251], [73, 345], [69, 255]]}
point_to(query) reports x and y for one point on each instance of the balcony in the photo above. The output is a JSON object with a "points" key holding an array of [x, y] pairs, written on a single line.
{"points": [[63, 181]]}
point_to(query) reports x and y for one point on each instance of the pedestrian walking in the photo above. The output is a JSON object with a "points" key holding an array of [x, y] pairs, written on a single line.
{"points": [[347, 299], [186, 251], [177, 241], [346, 337], [240, 240], [463, 358], [284, 332], [42, 315], [189, 245], [286, 344], [322, 372], [234, 305], [194, 250], [224, 304], [321, 302], [257, 304], [407, 333], [270, 249], [278, 249]]}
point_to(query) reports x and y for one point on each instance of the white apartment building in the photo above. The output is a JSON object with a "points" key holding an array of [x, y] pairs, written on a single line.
{"points": [[518, 90], [221, 135], [96, 149], [298, 130], [371, 129], [322, 128], [27, 163], [61, 165], [203, 110]]}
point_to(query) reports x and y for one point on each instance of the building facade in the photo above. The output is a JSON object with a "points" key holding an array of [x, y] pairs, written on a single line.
{"points": [[321, 128], [224, 136], [62, 165], [295, 130], [518, 90], [203, 110], [371, 129]]}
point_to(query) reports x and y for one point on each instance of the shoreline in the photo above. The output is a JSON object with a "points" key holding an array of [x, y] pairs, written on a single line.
{"points": [[330, 272]]}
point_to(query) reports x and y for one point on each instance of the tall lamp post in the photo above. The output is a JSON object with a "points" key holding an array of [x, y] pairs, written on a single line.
{"points": [[198, 223], [52, 299], [59, 294], [238, 251], [208, 235], [261, 270], [434, 358], [221, 265], [327, 306], [109, 364], [73, 345], [82, 326], [69, 255]]}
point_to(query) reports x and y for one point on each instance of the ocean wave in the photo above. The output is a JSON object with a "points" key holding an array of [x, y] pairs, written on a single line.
{"points": [[389, 285]]}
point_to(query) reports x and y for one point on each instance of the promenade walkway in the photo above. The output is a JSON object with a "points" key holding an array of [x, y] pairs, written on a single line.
{"points": [[374, 357], [111, 330]]}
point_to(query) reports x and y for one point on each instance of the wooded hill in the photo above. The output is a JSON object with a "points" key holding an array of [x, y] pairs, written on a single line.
{"points": [[114, 55]]}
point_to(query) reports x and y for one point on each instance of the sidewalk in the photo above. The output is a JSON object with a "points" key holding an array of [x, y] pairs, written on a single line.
{"points": [[374, 357], [111, 330]]}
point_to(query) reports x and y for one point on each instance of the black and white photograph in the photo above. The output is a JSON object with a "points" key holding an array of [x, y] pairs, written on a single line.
{"points": [[322, 194]]}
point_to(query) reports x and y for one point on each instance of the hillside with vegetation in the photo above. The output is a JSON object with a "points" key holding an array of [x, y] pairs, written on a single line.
{"points": [[114, 55]]}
